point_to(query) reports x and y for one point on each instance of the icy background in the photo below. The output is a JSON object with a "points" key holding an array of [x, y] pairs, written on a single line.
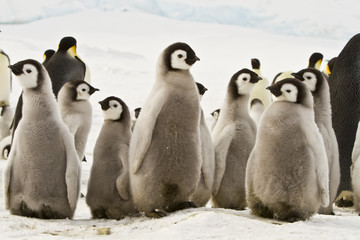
{"points": [[330, 19]]}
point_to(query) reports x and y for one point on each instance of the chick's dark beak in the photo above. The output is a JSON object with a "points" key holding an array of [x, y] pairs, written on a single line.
{"points": [[274, 90], [16, 69]]}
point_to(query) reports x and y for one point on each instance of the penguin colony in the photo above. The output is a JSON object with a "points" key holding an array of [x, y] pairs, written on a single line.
{"points": [[280, 156]]}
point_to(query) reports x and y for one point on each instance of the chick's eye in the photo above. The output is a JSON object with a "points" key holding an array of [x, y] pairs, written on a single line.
{"points": [[180, 55], [115, 105], [244, 79], [83, 89], [308, 78], [288, 91], [28, 70]]}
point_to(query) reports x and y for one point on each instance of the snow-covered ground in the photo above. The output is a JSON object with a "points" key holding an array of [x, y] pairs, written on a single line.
{"points": [[121, 48]]}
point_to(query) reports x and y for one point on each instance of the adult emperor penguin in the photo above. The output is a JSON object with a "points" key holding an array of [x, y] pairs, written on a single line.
{"points": [[256, 110], [5, 79], [76, 111], [108, 187], [287, 172], [280, 76], [205, 186], [234, 137], [329, 67], [315, 60], [65, 64], [215, 115], [42, 178], [355, 170], [165, 152], [319, 87], [47, 55], [259, 91], [345, 102]]}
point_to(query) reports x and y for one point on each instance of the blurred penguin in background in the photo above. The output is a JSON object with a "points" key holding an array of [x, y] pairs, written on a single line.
{"points": [[259, 92], [345, 101], [5, 79], [315, 60], [215, 114], [205, 186]]}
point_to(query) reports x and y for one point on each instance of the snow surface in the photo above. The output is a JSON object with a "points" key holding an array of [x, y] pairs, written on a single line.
{"points": [[121, 48]]}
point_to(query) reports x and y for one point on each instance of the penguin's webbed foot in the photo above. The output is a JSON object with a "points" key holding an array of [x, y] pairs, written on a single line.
{"points": [[155, 214]]}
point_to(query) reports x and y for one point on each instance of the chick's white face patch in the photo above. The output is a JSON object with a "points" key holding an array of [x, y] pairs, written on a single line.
{"points": [[83, 92], [114, 111], [243, 83], [289, 93], [310, 81], [178, 58], [29, 77]]}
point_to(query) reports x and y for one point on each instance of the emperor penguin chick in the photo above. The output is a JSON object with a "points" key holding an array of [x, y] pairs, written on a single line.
{"points": [[165, 150], [319, 87], [42, 178], [215, 115], [287, 175], [234, 137], [108, 187], [5, 79], [135, 117], [204, 189], [76, 111]]}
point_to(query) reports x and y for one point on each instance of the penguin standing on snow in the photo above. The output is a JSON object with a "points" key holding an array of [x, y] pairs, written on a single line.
{"points": [[163, 181], [5, 79], [345, 102], [319, 87], [108, 187], [42, 178], [76, 111], [287, 173], [234, 137], [205, 186]]}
